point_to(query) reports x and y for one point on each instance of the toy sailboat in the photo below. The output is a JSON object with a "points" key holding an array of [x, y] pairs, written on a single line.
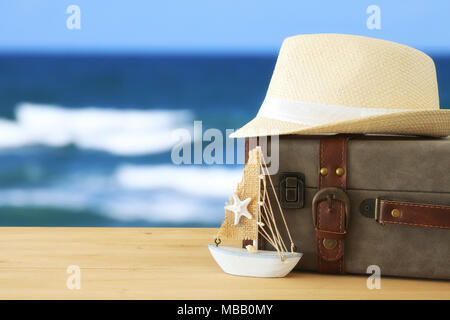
{"points": [[250, 214]]}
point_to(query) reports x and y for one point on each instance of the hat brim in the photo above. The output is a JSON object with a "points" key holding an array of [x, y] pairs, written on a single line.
{"points": [[434, 123]]}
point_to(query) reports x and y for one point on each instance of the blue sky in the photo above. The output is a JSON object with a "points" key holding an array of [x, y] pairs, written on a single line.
{"points": [[212, 26]]}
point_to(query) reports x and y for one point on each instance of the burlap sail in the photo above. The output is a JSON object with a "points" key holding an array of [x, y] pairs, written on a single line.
{"points": [[249, 187]]}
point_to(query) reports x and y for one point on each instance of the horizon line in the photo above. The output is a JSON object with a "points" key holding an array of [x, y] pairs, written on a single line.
{"points": [[166, 53]]}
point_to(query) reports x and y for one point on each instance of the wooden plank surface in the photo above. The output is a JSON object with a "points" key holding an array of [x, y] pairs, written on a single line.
{"points": [[160, 263]]}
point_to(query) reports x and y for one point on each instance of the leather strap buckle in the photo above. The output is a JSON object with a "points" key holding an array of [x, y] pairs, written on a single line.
{"points": [[329, 194]]}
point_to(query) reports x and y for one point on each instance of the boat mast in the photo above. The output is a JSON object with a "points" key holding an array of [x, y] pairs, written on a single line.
{"points": [[259, 204]]}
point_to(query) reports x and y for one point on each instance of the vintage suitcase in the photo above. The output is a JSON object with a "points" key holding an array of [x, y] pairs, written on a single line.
{"points": [[356, 201]]}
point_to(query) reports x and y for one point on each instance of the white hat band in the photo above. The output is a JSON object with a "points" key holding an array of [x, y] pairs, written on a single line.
{"points": [[315, 114]]}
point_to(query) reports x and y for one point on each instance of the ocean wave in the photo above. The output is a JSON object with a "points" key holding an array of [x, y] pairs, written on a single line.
{"points": [[158, 207], [166, 207], [200, 181], [156, 194], [43, 197], [121, 132]]}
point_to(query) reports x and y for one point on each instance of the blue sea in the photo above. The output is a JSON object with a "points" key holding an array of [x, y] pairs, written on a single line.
{"points": [[86, 140]]}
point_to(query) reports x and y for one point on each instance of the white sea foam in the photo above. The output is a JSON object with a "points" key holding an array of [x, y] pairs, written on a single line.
{"points": [[200, 181], [46, 197], [158, 207], [122, 132], [166, 207], [162, 193]]}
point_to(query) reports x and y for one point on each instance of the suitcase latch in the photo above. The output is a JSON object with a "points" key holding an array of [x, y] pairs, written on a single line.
{"points": [[292, 190]]}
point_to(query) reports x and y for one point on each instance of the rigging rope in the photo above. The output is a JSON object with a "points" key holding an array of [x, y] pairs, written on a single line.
{"points": [[264, 167]]}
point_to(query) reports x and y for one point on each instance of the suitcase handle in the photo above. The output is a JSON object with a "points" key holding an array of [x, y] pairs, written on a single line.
{"points": [[406, 213]]}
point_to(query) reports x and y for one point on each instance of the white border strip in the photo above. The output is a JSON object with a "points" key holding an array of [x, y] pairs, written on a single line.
{"points": [[315, 114]]}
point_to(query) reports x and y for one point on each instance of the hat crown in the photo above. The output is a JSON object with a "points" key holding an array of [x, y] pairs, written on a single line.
{"points": [[354, 71]]}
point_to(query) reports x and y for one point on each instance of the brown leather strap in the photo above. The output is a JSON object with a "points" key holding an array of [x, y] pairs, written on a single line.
{"points": [[331, 217], [414, 214]]}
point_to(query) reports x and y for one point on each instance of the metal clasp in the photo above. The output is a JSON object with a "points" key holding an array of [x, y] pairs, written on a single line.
{"points": [[330, 194], [370, 208], [292, 190]]}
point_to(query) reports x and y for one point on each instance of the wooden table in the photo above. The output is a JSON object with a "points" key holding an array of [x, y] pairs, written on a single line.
{"points": [[162, 263]]}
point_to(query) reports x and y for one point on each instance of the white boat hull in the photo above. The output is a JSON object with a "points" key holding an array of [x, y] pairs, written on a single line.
{"points": [[264, 264]]}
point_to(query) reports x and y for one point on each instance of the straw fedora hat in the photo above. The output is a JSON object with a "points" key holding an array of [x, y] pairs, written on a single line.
{"points": [[335, 83]]}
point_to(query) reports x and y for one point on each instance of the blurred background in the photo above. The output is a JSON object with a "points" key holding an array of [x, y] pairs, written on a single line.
{"points": [[87, 114]]}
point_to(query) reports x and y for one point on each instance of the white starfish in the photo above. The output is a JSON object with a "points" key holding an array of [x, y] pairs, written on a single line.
{"points": [[239, 208]]}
